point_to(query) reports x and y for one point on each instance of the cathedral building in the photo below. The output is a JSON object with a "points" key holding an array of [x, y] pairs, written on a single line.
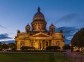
{"points": [[36, 35]]}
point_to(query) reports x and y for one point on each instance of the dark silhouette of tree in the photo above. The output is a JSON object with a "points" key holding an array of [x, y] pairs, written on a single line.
{"points": [[66, 46], [12, 46], [78, 39], [0, 46], [5, 46]]}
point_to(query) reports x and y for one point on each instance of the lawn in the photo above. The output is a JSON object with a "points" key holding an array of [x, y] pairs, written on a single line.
{"points": [[33, 57]]}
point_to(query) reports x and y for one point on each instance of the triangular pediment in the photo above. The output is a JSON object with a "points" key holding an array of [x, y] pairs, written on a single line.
{"points": [[41, 35]]}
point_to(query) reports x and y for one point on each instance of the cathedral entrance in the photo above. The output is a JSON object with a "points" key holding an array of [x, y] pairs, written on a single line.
{"points": [[40, 44]]}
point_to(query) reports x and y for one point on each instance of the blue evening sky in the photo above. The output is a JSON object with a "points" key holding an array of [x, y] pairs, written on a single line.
{"points": [[15, 14]]}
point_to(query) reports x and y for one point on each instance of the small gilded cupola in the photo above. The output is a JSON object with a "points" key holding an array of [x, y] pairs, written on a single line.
{"points": [[52, 29], [18, 32], [27, 28]]}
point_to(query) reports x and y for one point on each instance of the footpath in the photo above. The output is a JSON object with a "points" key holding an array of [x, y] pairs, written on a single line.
{"points": [[75, 56]]}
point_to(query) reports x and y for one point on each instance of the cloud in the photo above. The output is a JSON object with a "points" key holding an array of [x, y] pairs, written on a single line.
{"points": [[68, 33], [4, 36], [71, 20], [3, 27], [69, 17]]}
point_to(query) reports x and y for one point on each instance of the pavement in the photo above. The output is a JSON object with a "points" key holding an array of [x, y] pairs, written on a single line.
{"points": [[75, 56]]}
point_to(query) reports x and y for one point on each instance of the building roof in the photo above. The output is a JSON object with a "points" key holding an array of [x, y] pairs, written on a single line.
{"points": [[38, 15], [41, 35]]}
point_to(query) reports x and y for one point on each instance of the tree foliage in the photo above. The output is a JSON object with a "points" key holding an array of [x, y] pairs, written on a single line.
{"points": [[78, 39], [66, 46]]}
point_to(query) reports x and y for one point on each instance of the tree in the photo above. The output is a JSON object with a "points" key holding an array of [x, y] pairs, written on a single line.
{"points": [[5, 46], [66, 46], [78, 39], [0, 46], [12, 46]]}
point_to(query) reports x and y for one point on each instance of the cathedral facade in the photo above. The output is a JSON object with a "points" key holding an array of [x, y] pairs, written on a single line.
{"points": [[38, 36]]}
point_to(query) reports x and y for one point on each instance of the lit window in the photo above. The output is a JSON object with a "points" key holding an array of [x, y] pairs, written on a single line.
{"points": [[57, 43], [46, 43]]}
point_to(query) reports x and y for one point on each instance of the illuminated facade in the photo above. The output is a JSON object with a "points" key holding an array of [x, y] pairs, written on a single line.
{"points": [[38, 36]]}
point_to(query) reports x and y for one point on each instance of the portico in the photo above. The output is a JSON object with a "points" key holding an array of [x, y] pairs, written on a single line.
{"points": [[40, 42]]}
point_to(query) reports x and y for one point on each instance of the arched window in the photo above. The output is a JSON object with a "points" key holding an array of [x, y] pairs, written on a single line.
{"points": [[22, 43], [46, 43], [57, 43]]}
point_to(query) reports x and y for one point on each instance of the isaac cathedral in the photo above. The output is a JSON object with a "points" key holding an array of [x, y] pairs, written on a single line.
{"points": [[38, 36]]}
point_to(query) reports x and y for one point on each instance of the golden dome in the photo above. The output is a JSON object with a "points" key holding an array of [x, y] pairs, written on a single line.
{"points": [[39, 23], [38, 15]]}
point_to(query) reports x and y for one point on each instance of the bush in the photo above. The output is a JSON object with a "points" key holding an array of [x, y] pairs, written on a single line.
{"points": [[65, 47], [27, 48], [53, 48]]}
